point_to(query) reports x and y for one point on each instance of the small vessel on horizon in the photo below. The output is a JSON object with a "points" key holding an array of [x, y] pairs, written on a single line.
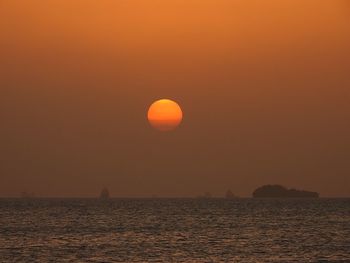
{"points": [[27, 195], [206, 195], [104, 194], [230, 195]]}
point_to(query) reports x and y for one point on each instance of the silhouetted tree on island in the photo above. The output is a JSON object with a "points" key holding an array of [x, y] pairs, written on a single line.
{"points": [[275, 191]]}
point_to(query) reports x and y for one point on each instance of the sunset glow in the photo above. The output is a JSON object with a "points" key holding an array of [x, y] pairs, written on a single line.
{"points": [[164, 115]]}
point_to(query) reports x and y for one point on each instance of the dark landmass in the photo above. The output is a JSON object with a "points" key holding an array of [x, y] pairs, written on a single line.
{"points": [[275, 191]]}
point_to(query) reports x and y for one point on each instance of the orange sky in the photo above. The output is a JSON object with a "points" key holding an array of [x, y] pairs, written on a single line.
{"points": [[264, 86]]}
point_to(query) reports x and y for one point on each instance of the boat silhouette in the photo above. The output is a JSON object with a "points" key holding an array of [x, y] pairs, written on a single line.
{"points": [[104, 194]]}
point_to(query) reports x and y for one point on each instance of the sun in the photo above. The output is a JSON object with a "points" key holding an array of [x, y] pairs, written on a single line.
{"points": [[164, 115]]}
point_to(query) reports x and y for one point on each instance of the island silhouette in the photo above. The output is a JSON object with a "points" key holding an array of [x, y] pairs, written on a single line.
{"points": [[278, 191]]}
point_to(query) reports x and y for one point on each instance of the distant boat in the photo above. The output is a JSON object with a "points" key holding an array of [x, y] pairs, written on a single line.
{"points": [[206, 195], [230, 195], [104, 194], [27, 195], [278, 191]]}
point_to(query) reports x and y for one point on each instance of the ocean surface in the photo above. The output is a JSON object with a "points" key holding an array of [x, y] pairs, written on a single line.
{"points": [[175, 230]]}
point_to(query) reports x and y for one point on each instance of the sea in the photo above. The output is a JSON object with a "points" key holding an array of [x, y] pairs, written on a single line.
{"points": [[175, 230]]}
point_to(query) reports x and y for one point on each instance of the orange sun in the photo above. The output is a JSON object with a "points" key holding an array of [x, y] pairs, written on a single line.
{"points": [[164, 115]]}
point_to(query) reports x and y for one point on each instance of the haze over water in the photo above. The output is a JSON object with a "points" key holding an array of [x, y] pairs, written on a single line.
{"points": [[263, 84], [263, 89], [175, 230]]}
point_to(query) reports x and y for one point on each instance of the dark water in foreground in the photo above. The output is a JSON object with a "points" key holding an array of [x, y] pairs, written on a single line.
{"points": [[174, 230]]}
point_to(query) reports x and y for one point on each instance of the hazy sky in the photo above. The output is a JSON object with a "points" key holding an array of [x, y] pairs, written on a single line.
{"points": [[264, 86]]}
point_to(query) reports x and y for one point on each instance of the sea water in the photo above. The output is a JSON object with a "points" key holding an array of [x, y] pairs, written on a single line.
{"points": [[174, 230]]}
